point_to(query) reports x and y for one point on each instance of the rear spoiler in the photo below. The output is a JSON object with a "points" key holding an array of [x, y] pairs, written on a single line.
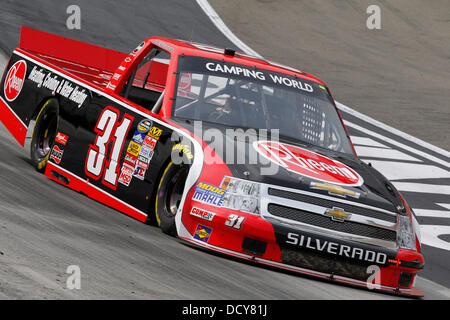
{"points": [[71, 50]]}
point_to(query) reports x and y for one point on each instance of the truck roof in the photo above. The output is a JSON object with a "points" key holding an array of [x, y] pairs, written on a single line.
{"points": [[196, 48]]}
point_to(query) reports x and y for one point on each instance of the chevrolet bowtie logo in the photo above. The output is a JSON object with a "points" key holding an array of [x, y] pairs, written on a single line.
{"points": [[335, 190], [338, 214]]}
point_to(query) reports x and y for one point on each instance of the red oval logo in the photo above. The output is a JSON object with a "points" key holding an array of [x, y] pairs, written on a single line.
{"points": [[308, 163], [14, 80]]}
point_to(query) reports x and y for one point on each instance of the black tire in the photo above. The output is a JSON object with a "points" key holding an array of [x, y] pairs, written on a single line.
{"points": [[44, 133], [168, 196]]}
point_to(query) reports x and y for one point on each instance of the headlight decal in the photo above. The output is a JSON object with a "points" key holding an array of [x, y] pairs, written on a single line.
{"points": [[236, 194], [405, 236], [241, 195]]}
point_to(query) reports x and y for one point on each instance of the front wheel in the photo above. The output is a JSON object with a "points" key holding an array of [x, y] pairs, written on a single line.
{"points": [[44, 133], [168, 197]]}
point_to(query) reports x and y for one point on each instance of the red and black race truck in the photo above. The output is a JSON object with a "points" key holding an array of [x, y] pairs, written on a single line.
{"points": [[225, 151]]}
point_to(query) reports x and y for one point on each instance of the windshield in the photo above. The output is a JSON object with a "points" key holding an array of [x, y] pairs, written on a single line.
{"points": [[241, 96]]}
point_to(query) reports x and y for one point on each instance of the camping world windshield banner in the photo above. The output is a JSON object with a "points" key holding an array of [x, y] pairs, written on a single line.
{"points": [[226, 69]]}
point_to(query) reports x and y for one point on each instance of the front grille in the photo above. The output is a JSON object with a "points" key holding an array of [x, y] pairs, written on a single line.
{"points": [[325, 222], [329, 204], [326, 264]]}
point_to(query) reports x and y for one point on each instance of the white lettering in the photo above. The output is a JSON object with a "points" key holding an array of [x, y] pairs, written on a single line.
{"points": [[319, 247], [292, 238], [336, 248], [332, 248]]}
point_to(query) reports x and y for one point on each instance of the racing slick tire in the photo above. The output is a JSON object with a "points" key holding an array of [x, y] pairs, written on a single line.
{"points": [[168, 196], [44, 133]]}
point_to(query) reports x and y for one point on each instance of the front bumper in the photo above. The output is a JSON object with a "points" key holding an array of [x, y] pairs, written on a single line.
{"points": [[298, 250]]}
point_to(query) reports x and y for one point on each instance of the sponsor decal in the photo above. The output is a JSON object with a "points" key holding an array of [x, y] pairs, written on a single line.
{"points": [[14, 80], [335, 248], [203, 214], [144, 125], [61, 86], [307, 163], [208, 194], [78, 96], [139, 172], [334, 190], [37, 76], [185, 149], [139, 152], [130, 159], [126, 174], [61, 138], [134, 148], [145, 159], [338, 214], [142, 164], [150, 142], [202, 233], [146, 152], [138, 137], [155, 132], [259, 75], [56, 154]]}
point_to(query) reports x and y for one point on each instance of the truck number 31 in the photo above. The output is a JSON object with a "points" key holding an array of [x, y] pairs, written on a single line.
{"points": [[109, 131]]}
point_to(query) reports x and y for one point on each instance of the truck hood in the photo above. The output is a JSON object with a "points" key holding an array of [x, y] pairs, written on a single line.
{"points": [[291, 163]]}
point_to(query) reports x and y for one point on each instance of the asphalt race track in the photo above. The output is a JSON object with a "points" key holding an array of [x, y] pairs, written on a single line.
{"points": [[45, 228]]}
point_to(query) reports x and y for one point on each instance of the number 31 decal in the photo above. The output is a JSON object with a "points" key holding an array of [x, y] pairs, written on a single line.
{"points": [[234, 221], [108, 130]]}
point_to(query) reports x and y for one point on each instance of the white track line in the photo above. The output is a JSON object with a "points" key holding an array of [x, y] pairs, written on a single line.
{"points": [[218, 22], [214, 17], [422, 188], [434, 213], [392, 130], [398, 144]]}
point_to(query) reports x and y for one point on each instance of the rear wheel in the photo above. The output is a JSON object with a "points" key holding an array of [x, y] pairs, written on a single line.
{"points": [[44, 134], [168, 197]]}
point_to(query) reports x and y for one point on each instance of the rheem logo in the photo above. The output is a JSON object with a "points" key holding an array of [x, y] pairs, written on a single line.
{"points": [[308, 163], [14, 80]]}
